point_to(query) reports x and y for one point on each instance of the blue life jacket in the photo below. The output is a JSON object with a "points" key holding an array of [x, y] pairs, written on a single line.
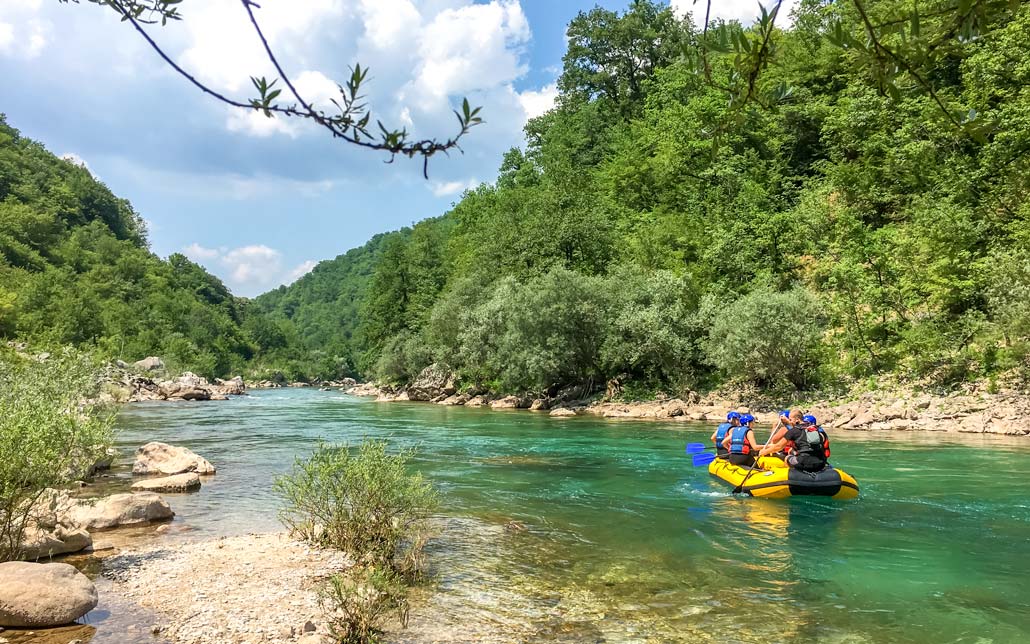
{"points": [[720, 433], [738, 441]]}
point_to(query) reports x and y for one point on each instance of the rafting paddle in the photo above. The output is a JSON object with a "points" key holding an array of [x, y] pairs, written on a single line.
{"points": [[697, 448], [702, 459]]}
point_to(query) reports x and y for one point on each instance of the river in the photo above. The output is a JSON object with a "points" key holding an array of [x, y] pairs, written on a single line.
{"points": [[626, 542]]}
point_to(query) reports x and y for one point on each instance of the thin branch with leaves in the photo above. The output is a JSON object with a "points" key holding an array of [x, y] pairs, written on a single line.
{"points": [[349, 123]]}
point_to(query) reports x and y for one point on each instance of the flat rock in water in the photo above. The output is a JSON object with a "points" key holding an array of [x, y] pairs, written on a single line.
{"points": [[121, 509], [562, 411], [34, 595], [175, 483], [162, 458]]}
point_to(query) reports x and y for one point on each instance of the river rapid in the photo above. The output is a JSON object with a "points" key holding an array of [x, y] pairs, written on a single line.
{"points": [[626, 542]]}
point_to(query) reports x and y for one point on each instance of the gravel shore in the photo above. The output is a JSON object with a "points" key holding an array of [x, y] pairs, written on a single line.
{"points": [[253, 589]]}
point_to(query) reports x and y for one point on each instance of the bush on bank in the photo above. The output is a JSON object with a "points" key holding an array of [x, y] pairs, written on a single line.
{"points": [[51, 433]]}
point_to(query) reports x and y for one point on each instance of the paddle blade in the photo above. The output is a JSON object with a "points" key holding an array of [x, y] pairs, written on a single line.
{"points": [[702, 459], [696, 448]]}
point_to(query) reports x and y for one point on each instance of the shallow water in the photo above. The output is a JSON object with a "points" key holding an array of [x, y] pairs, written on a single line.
{"points": [[626, 542]]}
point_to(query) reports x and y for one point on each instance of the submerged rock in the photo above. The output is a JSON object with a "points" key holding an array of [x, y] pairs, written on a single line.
{"points": [[162, 458], [34, 595], [175, 483]]}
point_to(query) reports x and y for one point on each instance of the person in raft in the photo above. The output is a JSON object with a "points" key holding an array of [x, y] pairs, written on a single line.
{"points": [[741, 443], [783, 423], [807, 445], [732, 420]]}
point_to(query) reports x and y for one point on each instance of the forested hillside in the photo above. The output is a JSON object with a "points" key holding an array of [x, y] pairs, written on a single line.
{"points": [[802, 207], [75, 269], [310, 327]]}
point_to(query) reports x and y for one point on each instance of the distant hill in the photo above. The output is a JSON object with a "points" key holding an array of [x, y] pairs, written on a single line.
{"points": [[75, 268]]}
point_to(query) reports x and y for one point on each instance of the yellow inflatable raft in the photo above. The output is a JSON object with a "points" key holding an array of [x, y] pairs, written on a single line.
{"points": [[777, 481]]}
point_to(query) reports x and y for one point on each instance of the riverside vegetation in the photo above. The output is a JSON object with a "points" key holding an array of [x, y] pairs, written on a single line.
{"points": [[367, 504], [656, 230], [659, 228]]}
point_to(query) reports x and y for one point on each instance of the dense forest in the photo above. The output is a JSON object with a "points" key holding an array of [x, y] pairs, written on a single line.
{"points": [[810, 204], [75, 269]]}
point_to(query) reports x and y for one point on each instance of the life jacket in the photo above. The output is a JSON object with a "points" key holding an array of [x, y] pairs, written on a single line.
{"points": [[813, 442], [720, 433], [739, 444]]}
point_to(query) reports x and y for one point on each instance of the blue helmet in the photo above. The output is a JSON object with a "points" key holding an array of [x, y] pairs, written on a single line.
{"points": [[747, 418], [732, 415], [809, 418], [785, 413]]}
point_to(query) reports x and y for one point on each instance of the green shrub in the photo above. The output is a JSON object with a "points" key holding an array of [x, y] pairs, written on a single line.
{"points": [[361, 501], [357, 603], [650, 333], [50, 433], [767, 338]]}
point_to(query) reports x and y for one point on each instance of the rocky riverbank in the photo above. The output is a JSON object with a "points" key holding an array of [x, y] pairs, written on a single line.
{"points": [[974, 411], [146, 380]]}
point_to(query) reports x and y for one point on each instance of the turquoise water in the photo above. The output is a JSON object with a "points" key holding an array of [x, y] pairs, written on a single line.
{"points": [[626, 542]]}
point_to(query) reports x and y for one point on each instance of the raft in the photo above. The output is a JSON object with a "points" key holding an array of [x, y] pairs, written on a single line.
{"points": [[778, 481]]}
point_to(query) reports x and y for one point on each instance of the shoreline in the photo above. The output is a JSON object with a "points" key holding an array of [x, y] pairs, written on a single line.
{"points": [[896, 411]]}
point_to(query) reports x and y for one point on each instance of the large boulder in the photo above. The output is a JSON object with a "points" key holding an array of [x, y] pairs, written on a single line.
{"points": [[434, 381], [510, 402], [162, 458], [119, 510], [178, 391], [176, 483], [51, 536], [34, 595], [562, 412], [231, 387], [149, 364]]}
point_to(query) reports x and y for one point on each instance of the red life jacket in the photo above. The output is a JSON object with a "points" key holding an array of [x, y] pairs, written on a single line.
{"points": [[814, 441]]}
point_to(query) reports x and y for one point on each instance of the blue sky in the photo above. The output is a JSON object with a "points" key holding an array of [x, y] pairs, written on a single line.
{"points": [[256, 201]]}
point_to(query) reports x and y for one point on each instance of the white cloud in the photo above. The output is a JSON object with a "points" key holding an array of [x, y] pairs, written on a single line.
{"points": [[444, 188], [536, 102], [75, 159], [198, 253], [256, 265], [223, 50], [471, 48], [248, 269], [746, 11], [23, 34], [301, 270]]}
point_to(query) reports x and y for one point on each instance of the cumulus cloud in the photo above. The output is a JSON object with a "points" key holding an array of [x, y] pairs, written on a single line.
{"points": [[248, 269], [22, 33], [300, 270], [536, 102], [75, 159], [445, 188], [198, 253], [746, 11]]}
